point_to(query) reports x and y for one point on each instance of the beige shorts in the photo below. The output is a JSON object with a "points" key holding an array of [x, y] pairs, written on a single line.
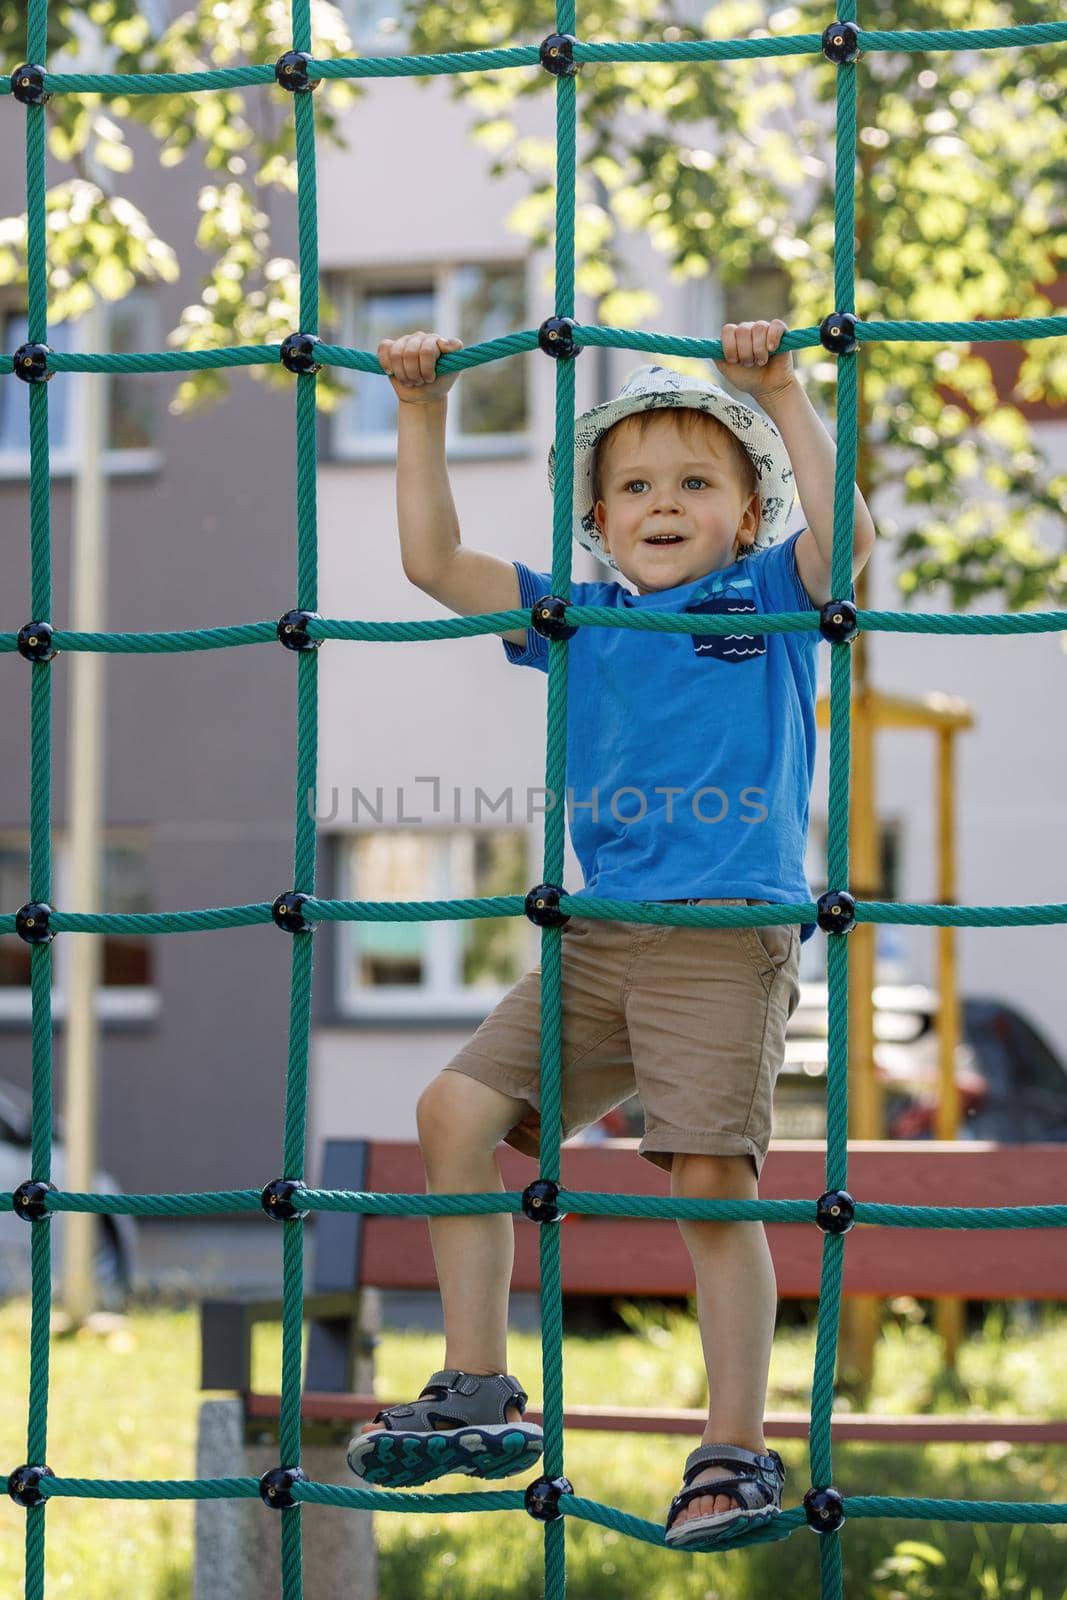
{"points": [[690, 1019]]}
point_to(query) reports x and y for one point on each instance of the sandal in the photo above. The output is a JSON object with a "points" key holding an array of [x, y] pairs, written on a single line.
{"points": [[757, 1488], [479, 1441]]}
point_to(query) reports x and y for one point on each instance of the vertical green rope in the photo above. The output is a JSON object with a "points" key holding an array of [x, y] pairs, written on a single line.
{"points": [[555, 782], [833, 1258], [40, 802], [296, 1092]]}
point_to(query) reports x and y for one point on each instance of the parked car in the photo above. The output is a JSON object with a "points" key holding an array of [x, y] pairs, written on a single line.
{"points": [[1012, 1084], [116, 1237]]}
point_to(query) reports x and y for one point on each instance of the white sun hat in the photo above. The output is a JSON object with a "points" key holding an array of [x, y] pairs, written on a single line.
{"points": [[649, 388]]}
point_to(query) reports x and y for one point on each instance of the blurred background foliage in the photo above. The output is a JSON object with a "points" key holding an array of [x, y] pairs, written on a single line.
{"points": [[727, 167]]}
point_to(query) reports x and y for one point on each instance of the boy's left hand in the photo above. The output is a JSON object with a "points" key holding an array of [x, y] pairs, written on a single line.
{"points": [[749, 360]]}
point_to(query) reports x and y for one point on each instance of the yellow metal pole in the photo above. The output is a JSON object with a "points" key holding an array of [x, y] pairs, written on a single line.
{"points": [[948, 1313], [860, 1315], [85, 808]]}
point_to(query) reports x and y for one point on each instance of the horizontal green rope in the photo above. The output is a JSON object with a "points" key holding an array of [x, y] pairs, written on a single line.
{"points": [[145, 1489], [1002, 329], [507, 621], [876, 911], [512, 905], [572, 1202], [908, 40], [865, 1506], [867, 332]]}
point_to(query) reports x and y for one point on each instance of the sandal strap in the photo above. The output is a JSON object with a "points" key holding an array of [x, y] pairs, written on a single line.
{"points": [[766, 1466], [459, 1398], [758, 1484], [471, 1383], [752, 1494]]}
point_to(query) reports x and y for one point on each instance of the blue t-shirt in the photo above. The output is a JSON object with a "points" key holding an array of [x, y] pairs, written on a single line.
{"points": [[689, 757]]}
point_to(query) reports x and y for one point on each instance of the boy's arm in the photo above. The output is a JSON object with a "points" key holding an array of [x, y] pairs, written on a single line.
{"points": [[466, 581], [813, 456]]}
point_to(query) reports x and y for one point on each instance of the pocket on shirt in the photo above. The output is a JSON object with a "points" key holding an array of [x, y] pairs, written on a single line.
{"points": [[732, 647]]}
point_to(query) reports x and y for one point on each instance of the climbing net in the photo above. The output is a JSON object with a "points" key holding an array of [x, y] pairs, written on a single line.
{"points": [[551, 1499]]}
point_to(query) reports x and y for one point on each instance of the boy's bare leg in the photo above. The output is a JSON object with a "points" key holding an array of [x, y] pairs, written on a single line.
{"points": [[737, 1301], [460, 1123]]}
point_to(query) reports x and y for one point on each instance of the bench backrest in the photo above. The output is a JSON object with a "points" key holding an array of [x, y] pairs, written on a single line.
{"points": [[620, 1256], [629, 1256]]}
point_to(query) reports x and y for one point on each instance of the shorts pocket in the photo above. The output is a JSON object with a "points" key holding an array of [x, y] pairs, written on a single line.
{"points": [[772, 944], [768, 948]]}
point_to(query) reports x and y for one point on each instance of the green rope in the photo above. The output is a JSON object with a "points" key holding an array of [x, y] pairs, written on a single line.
{"points": [[236, 1201], [576, 1201], [503, 621], [476, 355], [527, 56], [511, 905]]}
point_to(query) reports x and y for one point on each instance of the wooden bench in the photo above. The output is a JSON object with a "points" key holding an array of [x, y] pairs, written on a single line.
{"points": [[636, 1258]]}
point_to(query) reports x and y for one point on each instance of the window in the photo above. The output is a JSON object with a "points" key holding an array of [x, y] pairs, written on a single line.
{"points": [[375, 26], [14, 396], [453, 968], [132, 324], [131, 419], [488, 410], [126, 975]]}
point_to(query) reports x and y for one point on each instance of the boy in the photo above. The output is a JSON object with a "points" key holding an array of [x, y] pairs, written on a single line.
{"points": [[683, 491]]}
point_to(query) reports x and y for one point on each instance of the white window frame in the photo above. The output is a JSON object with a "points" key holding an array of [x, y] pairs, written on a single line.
{"points": [[441, 994], [15, 464], [115, 1003], [348, 445]]}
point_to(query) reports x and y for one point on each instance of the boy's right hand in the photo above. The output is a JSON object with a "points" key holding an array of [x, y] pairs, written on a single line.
{"points": [[410, 363]]}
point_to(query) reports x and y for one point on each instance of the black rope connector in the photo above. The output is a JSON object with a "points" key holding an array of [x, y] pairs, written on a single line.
{"points": [[32, 923], [841, 43], [291, 71], [837, 621], [30, 363], [838, 333], [556, 338], [27, 84], [542, 906], [542, 1498], [287, 912], [548, 617], [277, 1199], [298, 352], [835, 1211], [35, 641], [837, 912], [22, 1485], [293, 630], [557, 55], [824, 1509], [28, 1200], [276, 1487], [540, 1201]]}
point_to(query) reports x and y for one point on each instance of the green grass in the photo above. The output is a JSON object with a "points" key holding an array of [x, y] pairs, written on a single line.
{"points": [[123, 1403]]}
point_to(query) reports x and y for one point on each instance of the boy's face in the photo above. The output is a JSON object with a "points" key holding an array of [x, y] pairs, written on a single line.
{"points": [[671, 483]]}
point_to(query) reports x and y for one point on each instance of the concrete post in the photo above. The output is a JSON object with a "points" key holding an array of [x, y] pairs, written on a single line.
{"points": [[238, 1542]]}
